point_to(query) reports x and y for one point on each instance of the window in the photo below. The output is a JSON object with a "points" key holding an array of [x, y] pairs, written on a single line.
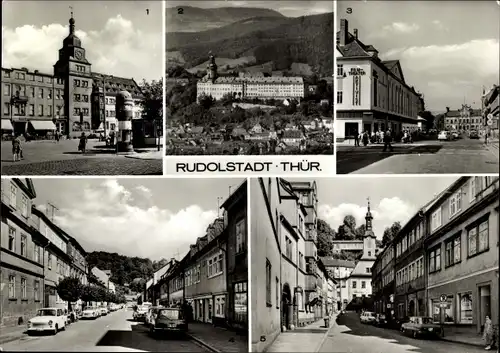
{"points": [[13, 195], [354, 283], [435, 260], [76, 83], [288, 249], [465, 300], [455, 203], [6, 108], [368, 269], [49, 111], [76, 97], [49, 261], [40, 93], [6, 88], [340, 70], [452, 251], [36, 253], [12, 239], [363, 284], [472, 189], [40, 110], [478, 238], [24, 243], [436, 219], [36, 290], [12, 287], [240, 236], [24, 206], [31, 109], [240, 302], [268, 283], [369, 253], [277, 292], [340, 97], [24, 294]]}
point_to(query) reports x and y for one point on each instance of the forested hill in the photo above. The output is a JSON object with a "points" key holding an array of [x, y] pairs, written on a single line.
{"points": [[124, 269]]}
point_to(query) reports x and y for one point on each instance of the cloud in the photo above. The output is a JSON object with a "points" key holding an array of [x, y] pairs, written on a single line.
{"points": [[106, 218], [388, 211], [439, 25], [144, 191], [119, 48], [396, 28]]}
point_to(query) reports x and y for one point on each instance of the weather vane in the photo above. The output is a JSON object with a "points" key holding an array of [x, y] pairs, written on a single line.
{"points": [[71, 8]]}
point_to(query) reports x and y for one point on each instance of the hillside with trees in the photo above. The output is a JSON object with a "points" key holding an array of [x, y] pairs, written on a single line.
{"points": [[306, 39], [125, 270], [348, 230]]}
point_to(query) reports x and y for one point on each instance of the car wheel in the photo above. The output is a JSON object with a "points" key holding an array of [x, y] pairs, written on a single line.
{"points": [[63, 328]]}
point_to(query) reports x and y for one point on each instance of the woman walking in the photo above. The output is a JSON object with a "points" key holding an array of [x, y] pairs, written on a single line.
{"points": [[16, 148], [83, 143], [488, 333]]}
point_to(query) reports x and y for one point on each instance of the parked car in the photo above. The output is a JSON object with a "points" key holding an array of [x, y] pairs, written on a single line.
{"points": [[140, 313], [455, 135], [169, 320], [91, 313], [151, 315], [444, 136], [104, 311], [399, 322], [473, 134], [419, 326], [381, 320], [368, 317], [48, 319]]}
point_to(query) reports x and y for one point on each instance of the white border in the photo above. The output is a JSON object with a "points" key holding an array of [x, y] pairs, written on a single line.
{"points": [[249, 267], [164, 70], [334, 43]]}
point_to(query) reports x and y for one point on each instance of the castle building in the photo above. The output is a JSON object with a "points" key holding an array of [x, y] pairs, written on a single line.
{"points": [[249, 86], [72, 100], [463, 119]]}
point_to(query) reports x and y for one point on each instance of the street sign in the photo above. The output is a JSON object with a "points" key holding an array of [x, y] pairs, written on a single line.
{"points": [[490, 116], [443, 297], [443, 305], [489, 122]]}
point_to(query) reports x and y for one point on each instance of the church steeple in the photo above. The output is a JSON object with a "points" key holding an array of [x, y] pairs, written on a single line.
{"points": [[72, 24], [368, 217], [72, 40]]}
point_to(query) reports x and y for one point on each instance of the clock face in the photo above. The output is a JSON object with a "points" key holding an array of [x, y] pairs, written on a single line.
{"points": [[78, 54]]}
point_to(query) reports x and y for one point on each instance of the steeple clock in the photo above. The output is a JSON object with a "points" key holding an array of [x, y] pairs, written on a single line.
{"points": [[74, 70]]}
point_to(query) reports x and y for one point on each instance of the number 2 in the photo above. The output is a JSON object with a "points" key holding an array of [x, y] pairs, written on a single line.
{"points": [[180, 11]]}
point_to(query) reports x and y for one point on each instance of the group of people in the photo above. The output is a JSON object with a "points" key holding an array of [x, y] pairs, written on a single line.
{"points": [[376, 137]]}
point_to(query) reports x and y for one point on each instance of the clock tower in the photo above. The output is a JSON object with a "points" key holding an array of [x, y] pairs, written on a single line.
{"points": [[74, 70]]}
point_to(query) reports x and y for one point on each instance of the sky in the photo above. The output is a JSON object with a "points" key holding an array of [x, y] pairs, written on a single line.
{"points": [[149, 218], [448, 49], [292, 8], [119, 37], [392, 199]]}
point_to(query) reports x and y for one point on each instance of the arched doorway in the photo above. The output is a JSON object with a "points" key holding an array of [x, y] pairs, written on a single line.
{"points": [[286, 306], [411, 308]]}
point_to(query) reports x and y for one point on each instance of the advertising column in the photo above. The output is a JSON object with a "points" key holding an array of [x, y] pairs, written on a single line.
{"points": [[124, 107]]}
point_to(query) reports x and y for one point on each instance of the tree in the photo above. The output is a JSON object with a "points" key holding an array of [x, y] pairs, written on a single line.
{"points": [[89, 293], [69, 289], [347, 228], [429, 119], [325, 238], [152, 103], [390, 233], [206, 101]]}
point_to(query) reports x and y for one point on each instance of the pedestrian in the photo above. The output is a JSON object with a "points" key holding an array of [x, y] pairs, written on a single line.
{"points": [[83, 143], [488, 333], [16, 148], [486, 137], [387, 141], [356, 138], [57, 136], [365, 139]]}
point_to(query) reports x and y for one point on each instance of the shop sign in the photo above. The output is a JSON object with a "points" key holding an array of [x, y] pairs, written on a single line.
{"points": [[356, 71]]}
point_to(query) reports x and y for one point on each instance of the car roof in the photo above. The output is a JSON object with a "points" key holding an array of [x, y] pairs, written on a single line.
{"points": [[50, 309]]}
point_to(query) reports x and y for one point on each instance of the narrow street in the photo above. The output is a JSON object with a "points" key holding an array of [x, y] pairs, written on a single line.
{"points": [[351, 336], [115, 332], [423, 157]]}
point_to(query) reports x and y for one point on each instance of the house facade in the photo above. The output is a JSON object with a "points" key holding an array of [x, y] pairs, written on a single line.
{"points": [[462, 254]]}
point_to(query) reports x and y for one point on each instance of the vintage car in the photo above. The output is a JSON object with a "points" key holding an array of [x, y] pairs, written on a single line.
{"points": [[445, 136], [91, 313], [104, 311], [367, 317], [141, 313], [419, 326], [48, 319], [473, 134], [169, 320], [151, 315]]}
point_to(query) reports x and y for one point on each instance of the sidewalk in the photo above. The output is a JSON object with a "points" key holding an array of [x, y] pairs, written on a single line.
{"points": [[146, 155], [217, 339], [308, 338], [464, 337], [9, 334]]}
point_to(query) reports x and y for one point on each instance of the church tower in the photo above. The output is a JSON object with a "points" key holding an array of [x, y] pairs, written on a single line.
{"points": [[74, 71], [212, 69], [369, 243]]}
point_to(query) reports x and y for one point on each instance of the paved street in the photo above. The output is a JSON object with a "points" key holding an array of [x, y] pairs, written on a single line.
{"points": [[63, 158], [460, 156], [350, 336], [113, 333]]}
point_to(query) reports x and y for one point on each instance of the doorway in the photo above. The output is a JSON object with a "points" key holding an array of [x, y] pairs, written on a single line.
{"points": [[484, 305], [286, 306], [411, 308]]}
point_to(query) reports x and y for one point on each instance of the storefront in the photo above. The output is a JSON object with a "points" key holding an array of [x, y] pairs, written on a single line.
{"points": [[240, 304], [468, 301]]}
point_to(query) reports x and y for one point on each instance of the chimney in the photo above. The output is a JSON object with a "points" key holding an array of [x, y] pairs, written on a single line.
{"points": [[355, 31], [447, 109], [172, 260], [344, 31]]}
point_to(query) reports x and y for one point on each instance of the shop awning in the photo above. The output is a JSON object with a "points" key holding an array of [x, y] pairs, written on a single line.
{"points": [[6, 124], [43, 125]]}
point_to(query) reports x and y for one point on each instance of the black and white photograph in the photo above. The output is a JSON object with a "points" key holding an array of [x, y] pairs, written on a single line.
{"points": [[82, 88], [417, 87], [249, 77], [124, 265], [368, 265]]}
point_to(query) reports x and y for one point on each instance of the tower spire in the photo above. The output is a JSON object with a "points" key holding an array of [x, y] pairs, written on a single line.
{"points": [[368, 216], [71, 21]]}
